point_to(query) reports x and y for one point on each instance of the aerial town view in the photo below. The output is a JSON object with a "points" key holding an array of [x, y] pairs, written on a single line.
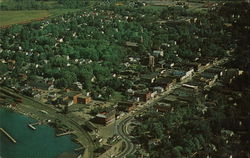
{"points": [[124, 79]]}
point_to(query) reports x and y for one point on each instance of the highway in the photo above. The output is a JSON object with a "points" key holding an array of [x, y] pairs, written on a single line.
{"points": [[130, 148]]}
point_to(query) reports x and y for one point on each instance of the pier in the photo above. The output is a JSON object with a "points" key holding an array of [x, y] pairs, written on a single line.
{"points": [[32, 125], [8, 135], [66, 133], [79, 149]]}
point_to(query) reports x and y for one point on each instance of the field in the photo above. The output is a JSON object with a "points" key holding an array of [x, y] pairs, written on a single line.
{"points": [[24, 16]]}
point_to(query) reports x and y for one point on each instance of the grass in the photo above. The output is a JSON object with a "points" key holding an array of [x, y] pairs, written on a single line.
{"points": [[56, 12], [24, 16], [117, 96], [15, 17], [155, 7]]}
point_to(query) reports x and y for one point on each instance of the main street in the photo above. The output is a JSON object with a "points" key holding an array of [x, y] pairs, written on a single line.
{"points": [[130, 148]]}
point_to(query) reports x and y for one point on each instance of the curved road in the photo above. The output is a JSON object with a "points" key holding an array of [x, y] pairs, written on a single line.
{"points": [[121, 130]]}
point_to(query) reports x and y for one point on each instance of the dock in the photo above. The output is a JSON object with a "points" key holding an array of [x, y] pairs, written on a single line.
{"points": [[79, 149], [65, 133], [8, 135], [32, 125]]}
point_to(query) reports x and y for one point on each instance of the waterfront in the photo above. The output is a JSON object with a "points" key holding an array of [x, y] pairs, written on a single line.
{"points": [[39, 143]]}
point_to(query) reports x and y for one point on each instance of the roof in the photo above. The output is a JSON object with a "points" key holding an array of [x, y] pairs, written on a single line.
{"points": [[179, 73], [107, 114], [169, 99], [131, 44], [208, 75], [164, 80], [150, 76]]}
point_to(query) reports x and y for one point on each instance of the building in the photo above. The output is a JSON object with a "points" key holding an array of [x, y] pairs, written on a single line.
{"points": [[144, 96], [197, 66], [158, 53], [105, 118], [151, 61], [83, 99], [180, 75], [126, 106], [166, 82], [158, 89], [170, 99], [131, 44], [149, 78], [216, 70], [79, 98], [163, 107]]}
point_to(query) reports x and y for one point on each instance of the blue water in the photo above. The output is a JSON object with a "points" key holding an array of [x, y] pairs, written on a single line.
{"points": [[39, 143]]}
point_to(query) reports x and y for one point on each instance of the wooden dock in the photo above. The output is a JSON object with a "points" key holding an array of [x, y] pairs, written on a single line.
{"points": [[32, 125], [65, 133], [79, 149], [8, 135]]}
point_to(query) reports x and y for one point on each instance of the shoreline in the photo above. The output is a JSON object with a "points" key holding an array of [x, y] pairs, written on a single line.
{"points": [[41, 122]]}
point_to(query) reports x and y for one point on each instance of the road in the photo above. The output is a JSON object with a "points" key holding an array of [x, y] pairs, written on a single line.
{"points": [[33, 109], [130, 148]]}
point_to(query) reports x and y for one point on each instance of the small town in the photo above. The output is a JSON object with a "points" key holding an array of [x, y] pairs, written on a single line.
{"points": [[130, 79]]}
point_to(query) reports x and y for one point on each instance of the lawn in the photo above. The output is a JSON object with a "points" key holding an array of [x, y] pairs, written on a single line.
{"points": [[17, 17]]}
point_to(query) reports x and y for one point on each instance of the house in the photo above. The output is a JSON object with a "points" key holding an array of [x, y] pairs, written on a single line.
{"points": [[158, 89], [197, 83], [105, 118], [163, 107], [184, 92], [216, 70], [179, 75], [195, 65], [184, 67], [131, 44], [170, 99], [158, 53], [166, 82], [149, 78], [126, 106], [210, 76]]}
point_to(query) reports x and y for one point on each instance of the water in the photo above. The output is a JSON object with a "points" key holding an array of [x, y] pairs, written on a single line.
{"points": [[39, 143]]}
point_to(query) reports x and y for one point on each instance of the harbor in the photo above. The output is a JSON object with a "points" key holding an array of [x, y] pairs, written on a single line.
{"points": [[16, 135]]}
